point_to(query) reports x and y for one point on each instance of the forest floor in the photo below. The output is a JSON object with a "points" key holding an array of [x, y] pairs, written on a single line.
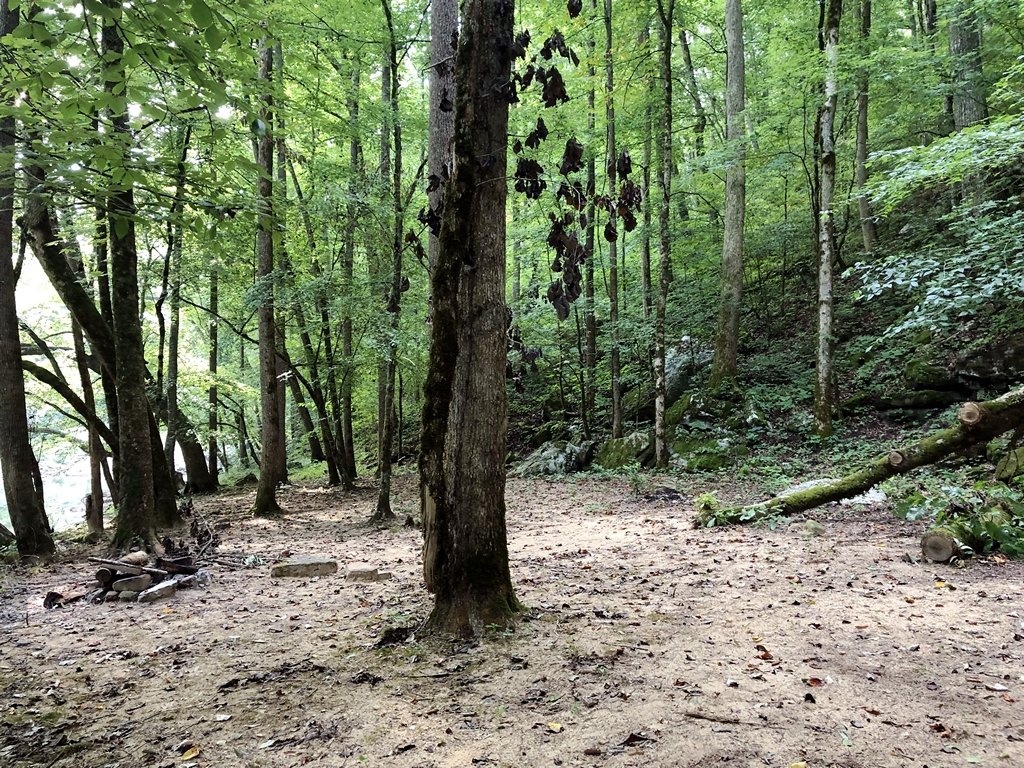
{"points": [[644, 643]]}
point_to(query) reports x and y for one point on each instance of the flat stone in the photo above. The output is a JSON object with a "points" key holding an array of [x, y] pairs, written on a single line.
{"points": [[163, 589], [365, 572], [132, 583], [111, 597], [128, 596], [186, 581], [304, 566]]}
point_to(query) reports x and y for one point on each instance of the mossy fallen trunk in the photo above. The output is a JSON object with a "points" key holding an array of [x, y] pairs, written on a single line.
{"points": [[976, 423]]}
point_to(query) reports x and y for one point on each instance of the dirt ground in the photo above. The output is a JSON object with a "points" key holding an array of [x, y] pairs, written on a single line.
{"points": [[645, 643]]}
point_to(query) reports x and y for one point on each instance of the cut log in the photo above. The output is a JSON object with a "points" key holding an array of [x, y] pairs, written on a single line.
{"points": [[176, 565], [136, 558], [976, 423], [939, 546]]}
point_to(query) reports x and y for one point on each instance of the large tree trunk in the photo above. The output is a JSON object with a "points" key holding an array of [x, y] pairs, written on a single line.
{"points": [[976, 423], [723, 367], [24, 499], [824, 383], [136, 519], [462, 461], [666, 11], [444, 23], [271, 423], [867, 219]]}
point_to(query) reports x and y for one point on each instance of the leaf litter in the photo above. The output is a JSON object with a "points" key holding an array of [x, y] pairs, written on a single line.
{"points": [[644, 642]]}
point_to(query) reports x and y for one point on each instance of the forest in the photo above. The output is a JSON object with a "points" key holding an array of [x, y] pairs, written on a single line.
{"points": [[476, 357]]}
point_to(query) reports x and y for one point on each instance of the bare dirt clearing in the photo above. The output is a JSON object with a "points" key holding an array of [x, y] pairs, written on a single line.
{"points": [[646, 643]]}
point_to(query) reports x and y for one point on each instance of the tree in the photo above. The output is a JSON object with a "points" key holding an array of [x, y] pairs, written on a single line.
{"points": [[462, 453], [611, 234], [867, 219], [666, 11], [137, 513], [271, 426], [723, 368], [824, 385], [24, 499]]}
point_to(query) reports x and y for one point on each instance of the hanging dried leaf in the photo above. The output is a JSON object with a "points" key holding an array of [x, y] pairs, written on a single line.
{"points": [[625, 164], [573, 195], [521, 43], [575, 7], [572, 158], [554, 89], [445, 104], [517, 147], [528, 178], [610, 233], [628, 220]]}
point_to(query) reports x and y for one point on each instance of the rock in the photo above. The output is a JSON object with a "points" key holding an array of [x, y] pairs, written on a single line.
{"points": [[163, 589], [111, 597], [248, 479], [365, 572], [696, 454], [128, 596], [682, 362], [618, 452], [556, 458], [1011, 465], [304, 567], [921, 374], [96, 596], [133, 583], [872, 496]]}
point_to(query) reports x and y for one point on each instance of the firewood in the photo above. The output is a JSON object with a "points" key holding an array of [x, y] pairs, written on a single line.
{"points": [[136, 558], [134, 570], [939, 546]]}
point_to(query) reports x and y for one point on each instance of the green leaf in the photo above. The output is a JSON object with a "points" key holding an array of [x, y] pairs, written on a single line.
{"points": [[214, 37], [201, 14]]}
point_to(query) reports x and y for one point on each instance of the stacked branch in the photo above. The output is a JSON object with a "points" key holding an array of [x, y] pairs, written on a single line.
{"points": [[976, 423]]}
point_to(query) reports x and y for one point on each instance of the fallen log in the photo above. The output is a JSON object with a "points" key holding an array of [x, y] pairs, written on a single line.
{"points": [[976, 423]]}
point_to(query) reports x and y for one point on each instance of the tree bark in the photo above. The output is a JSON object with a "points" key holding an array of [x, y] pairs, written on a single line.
{"points": [[589, 289], [444, 21], [867, 219], [666, 11], [615, 362], [212, 424], [976, 423], [24, 498], [723, 367], [136, 519], [824, 383], [271, 424], [463, 450], [383, 511]]}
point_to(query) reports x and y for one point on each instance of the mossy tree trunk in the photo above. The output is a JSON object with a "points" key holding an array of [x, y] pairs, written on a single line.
{"points": [[462, 459], [976, 423]]}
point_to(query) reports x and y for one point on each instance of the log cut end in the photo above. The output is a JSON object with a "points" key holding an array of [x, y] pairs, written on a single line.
{"points": [[939, 546], [969, 414]]}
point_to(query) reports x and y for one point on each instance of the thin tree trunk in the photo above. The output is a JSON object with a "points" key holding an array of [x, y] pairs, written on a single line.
{"points": [[824, 384], [867, 219], [280, 218], [212, 423], [271, 422], [723, 367], [613, 258], [969, 103], [666, 12], [343, 418], [646, 289], [387, 415], [24, 497], [589, 289]]}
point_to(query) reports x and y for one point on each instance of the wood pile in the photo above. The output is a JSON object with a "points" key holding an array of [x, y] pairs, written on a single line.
{"points": [[132, 579]]}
